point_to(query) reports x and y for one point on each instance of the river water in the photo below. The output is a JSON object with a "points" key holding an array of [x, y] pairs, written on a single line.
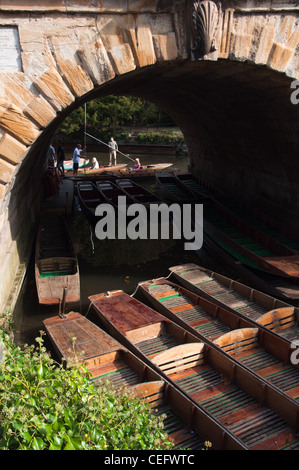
{"points": [[111, 264]]}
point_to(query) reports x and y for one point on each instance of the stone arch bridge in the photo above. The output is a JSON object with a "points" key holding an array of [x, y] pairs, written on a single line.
{"points": [[223, 70]]}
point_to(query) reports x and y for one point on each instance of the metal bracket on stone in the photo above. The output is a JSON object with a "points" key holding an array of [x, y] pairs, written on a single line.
{"points": [[205, 17]]}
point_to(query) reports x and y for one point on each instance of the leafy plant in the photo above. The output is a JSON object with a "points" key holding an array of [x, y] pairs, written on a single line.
{"points": [[44, 406]]}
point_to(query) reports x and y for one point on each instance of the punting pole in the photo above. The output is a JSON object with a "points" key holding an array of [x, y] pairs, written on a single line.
{"points": [[85, 134], [125, 155]]}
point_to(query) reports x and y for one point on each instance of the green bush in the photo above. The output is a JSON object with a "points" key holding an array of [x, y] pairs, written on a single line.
{"points": [[44, 406]]}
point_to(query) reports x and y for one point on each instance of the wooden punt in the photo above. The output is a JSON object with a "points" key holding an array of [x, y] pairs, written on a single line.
{"points": [[89, 198], [248, 244], [137, 193], [239, 298], [273, 285], [192, 183], [247, 406], [263, 222], [111, 192], [85, 172], [255, 346], [109, 362], [171, 188], [68, 164], [56, 265], [145, 170]]}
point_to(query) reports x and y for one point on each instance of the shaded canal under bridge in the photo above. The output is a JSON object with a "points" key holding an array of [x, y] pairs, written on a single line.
{"points": [[221, 69]]}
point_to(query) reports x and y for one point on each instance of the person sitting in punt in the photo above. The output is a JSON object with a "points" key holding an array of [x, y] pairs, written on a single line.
{"points": [[95, 164], [136, 165]]}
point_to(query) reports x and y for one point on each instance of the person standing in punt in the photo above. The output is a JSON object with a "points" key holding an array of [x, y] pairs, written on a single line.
{"points": [[113, 147], [76, 158]]}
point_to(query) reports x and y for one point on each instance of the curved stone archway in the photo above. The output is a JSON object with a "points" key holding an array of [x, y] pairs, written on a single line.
{"points": [[221, 69]]}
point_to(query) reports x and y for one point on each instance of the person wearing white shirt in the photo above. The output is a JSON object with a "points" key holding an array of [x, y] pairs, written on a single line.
{"points": [[76, 158]]}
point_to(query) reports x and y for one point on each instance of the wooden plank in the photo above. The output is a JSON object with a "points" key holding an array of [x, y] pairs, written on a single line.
{"points": [[147, 389], [124, 312], [180, 357], [276, 319], [88, 336], [238, 339], [278, 442]]}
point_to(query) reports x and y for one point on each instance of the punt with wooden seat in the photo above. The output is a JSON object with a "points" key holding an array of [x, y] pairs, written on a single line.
{"points": [[266, 354], [77, 339], [239, 298], [252, 410], [56, 265]]}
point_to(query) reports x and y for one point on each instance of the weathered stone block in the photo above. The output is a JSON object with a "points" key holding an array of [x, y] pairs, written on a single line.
{"points": [[40, 111], [11, 149], [53, 87], [6, 171], [165, 46], [13, 121], [95, 59]]}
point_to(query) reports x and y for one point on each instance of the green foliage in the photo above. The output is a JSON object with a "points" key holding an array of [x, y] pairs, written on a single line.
{"points": [[159, 138], [112, 112], [44, 406]]}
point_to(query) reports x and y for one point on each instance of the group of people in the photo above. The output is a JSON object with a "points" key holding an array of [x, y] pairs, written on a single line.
{"points": [[113, 149], [60, 157]]}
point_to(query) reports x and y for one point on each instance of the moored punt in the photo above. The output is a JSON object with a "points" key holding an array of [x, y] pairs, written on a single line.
{"points": [[111, 192], [239, 298], [89, 198], [273, 285], [248, 244], [249, 342], [137, 193], [109, 362], [250, 408], [56, 266], [171, 188], [263, 222], [191, 183]]}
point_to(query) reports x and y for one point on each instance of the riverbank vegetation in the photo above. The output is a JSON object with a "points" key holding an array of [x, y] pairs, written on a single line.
{"points": [[44, 406], [127, 118]]}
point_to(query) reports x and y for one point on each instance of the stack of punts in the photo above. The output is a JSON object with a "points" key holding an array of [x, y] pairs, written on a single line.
{"points": [[172, 190], [251, 409], [111, 192], [109, 362], [255, 346], [137, 193], [89, 198], [56, 265]]}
